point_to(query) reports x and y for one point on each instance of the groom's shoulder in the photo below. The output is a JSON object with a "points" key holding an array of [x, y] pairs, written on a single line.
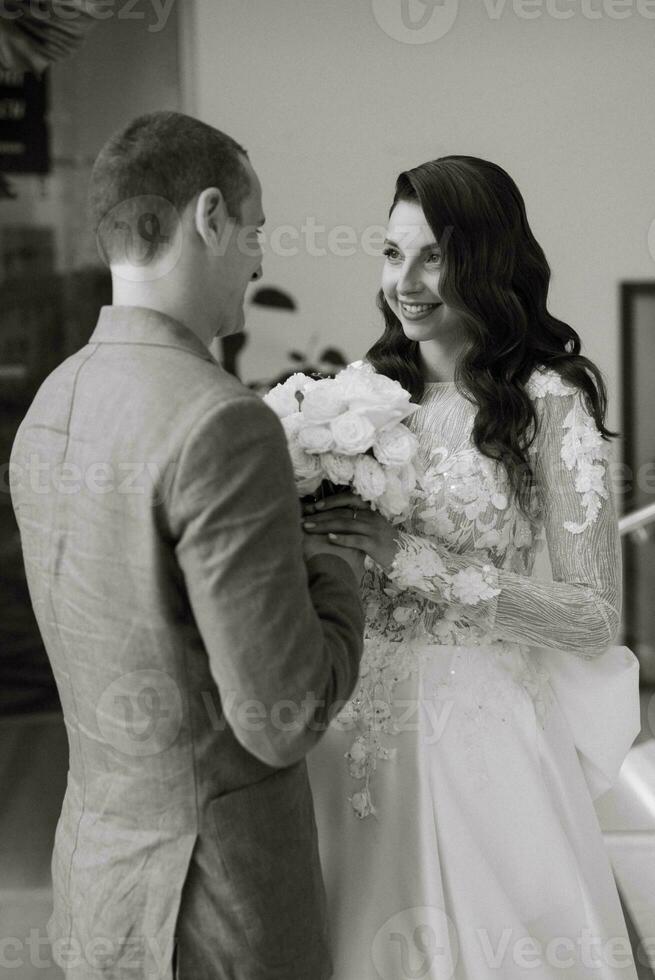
{"points": [[214, 386], [225, 405]]}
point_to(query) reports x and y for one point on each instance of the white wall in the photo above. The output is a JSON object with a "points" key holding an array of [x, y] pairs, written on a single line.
{"points": [[331, 108]]}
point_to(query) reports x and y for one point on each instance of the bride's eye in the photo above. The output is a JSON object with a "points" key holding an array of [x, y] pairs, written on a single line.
{"points": [[391, 253], [434, 257]]}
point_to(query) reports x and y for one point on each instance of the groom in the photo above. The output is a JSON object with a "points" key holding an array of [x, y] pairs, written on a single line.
{"points": [[198, 652]]}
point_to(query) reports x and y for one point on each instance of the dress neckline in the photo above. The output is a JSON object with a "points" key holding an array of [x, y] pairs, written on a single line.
{"points": [[438, 390]]}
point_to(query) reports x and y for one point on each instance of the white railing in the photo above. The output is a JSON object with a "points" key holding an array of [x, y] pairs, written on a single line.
{"points": [[638, 522]]}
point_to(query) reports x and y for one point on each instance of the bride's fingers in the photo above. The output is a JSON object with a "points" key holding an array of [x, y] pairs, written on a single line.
{"points": [[349, 500], [344, 522], [359, 542]]}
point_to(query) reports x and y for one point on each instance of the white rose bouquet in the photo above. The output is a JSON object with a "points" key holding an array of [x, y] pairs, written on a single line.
{"points": [[348, 433]]}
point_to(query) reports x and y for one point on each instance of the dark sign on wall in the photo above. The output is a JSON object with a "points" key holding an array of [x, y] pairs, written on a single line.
{"points": [[23, 128]]}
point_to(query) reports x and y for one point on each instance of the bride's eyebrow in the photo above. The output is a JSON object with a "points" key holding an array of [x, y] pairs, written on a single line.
{"points": [[425, 248]]}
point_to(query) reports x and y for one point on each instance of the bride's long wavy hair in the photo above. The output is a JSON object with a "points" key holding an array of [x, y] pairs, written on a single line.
{"points": [[495, 275]]}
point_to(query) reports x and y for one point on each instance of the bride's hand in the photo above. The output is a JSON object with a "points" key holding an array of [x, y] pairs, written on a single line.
{"points": [[320, 545], [349, 522]]}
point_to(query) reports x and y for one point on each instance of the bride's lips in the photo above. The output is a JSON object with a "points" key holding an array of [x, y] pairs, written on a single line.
{"points": [[417, 311]]}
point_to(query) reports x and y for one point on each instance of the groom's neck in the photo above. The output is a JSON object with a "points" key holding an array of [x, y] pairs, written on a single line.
{"points": [[177, 303]]}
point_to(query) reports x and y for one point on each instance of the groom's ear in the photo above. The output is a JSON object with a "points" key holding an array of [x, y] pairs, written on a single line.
{"points": [[212, 221]]}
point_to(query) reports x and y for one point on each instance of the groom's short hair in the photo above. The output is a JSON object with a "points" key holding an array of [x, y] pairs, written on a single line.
{"points": [[153, 168]]}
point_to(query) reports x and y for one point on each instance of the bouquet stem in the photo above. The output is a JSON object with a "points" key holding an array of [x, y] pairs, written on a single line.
{"points": [[327, 489]]}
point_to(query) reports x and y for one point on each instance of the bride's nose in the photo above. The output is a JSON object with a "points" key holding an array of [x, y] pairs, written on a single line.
{"points": [[409, 281]]}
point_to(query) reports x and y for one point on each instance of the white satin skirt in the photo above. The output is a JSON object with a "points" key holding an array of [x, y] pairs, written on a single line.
{"points": [[484, 859]]}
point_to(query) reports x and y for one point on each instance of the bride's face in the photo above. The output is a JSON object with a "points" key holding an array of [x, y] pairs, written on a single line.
{"points": [[412, 269]]}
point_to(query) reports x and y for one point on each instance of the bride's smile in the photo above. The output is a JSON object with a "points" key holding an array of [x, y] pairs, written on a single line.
{"points": [[413, 266]]}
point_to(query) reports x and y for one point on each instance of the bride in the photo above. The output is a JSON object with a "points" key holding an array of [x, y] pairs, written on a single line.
{"points": [[457, 831]]}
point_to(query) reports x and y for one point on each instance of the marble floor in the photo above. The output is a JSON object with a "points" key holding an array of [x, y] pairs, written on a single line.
{"points": [[33, 764]]}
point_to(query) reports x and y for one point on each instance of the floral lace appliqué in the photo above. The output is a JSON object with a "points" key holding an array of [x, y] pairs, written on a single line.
{"points": [[584, 451], [371, 713], [464, 501], [583, 448], [418, 565], [545, 381]]}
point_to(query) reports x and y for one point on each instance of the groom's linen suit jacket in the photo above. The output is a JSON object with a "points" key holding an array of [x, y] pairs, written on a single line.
{"points": [[195, 653]]}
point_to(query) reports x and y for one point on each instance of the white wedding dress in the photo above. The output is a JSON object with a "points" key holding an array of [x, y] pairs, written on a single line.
{"points": [[453, 793]]}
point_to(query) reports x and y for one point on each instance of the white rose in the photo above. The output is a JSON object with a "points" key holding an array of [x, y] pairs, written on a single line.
{"points": [[323, 401], [353, 375], [315, 438], [307, 469], [396, 500], [353, 433], [360, 366], [396, 446], [292, 424], [370, 482], [382, 400], [283, 399], [338, 469]]}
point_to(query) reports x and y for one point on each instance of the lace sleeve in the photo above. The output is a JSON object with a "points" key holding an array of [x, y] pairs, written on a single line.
{"points": [[579, 611]]}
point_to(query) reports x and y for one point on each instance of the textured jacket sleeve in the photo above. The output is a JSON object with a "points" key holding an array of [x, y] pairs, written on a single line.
{"points": [[284, 638], [579, 611]]}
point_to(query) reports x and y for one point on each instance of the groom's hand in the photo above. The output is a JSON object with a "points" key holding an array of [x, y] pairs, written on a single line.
{"points": [[350, 523], [321, 545]]}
